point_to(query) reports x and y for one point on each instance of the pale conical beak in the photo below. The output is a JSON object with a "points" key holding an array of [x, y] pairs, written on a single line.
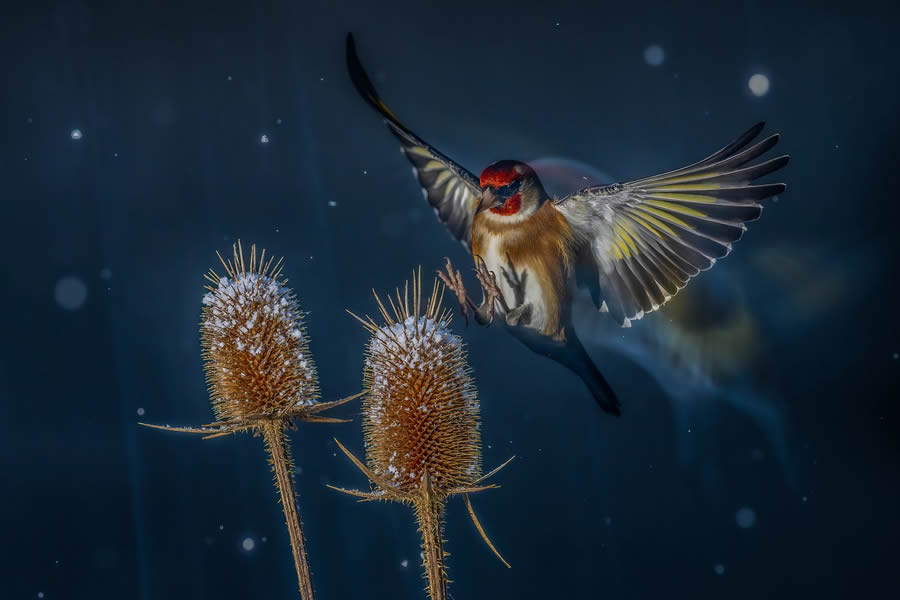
{"points": [[488, 200]]}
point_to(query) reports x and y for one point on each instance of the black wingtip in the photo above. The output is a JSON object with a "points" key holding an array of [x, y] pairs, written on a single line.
{"points": [[750, 135], [357, 73], [366, 89]]}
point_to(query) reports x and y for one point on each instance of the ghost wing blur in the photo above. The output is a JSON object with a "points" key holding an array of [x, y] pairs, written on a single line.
{"points": [[449, 189], [646, 239]]}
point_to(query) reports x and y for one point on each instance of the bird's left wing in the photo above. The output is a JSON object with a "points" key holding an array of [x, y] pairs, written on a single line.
{"points": [[449, 189], [644, 240]]}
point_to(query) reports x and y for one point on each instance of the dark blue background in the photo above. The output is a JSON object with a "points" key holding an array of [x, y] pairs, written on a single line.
{"points": [[172, 101]]}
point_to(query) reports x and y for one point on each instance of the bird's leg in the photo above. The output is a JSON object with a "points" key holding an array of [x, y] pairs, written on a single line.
{"points": [[516, 282], [484, 314], [520, 314], [453, 280]]}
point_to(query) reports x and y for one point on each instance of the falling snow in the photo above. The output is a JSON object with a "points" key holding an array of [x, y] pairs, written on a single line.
{"points": [[76, 134], [248, 544]]}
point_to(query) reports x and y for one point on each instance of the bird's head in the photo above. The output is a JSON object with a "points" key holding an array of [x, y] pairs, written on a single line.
{"points": [[510, 188]]}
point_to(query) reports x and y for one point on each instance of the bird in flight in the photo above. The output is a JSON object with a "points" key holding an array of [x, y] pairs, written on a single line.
{"points": [[631, 245]]}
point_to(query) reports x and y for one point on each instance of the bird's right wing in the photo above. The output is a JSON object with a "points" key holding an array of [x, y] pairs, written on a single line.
{"points": [[648, 238], [450, 190]]}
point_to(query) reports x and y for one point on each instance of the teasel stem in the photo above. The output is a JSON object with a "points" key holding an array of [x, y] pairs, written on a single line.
{"points": [[430, 518], [279, 455]]}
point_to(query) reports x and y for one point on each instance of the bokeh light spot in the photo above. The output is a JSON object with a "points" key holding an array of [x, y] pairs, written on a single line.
{"points": [[654, 55], [745, 517], [758, 84], [70, 293]]}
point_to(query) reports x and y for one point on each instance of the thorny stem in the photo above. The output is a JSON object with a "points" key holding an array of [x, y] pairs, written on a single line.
{"points": [[276, 444], [430, 516]]}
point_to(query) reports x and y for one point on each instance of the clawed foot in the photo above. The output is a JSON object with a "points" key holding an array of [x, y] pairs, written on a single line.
{"points": [[520, 314], [453, 280], [489, 287], [515, 280]]}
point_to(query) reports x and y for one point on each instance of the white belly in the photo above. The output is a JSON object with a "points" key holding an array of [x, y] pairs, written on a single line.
{"points": [[534, 295]]}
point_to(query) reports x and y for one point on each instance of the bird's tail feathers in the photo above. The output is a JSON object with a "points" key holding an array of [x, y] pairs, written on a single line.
{"points": [[577, 359], [572, 355]]}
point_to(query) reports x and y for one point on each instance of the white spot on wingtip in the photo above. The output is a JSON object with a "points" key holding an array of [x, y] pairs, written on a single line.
{"points": [[603, 307]]}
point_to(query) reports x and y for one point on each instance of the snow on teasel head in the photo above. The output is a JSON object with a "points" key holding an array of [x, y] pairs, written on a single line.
{"points": [[255, 348], [421, 411]]}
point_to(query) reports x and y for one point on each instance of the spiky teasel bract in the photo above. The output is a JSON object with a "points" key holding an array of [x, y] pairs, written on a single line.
{"points": [[260, 373], [420, 418]]}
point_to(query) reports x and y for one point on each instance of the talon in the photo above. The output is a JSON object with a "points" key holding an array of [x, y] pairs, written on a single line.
{"points": [[489, 286], [453, 280]]}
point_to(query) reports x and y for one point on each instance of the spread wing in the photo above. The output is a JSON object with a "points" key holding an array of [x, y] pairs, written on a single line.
{"points": [[450, 190], [648, 238]]}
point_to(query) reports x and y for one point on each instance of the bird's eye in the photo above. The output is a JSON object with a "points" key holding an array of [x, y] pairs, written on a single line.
{"points": [[509, 189]]}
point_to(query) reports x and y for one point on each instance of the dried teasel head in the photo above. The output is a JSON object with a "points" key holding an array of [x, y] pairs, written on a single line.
{"points": [[420, 411], [420, 419], [255, 348], [260, 373]]}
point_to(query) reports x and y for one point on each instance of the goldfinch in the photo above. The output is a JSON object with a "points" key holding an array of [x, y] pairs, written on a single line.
{"points": [[632, 245]]}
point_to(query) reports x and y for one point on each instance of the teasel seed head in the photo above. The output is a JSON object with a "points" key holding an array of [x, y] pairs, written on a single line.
{"points": [[255, 348], [260, 373], [420, 420], [420, 411]]}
